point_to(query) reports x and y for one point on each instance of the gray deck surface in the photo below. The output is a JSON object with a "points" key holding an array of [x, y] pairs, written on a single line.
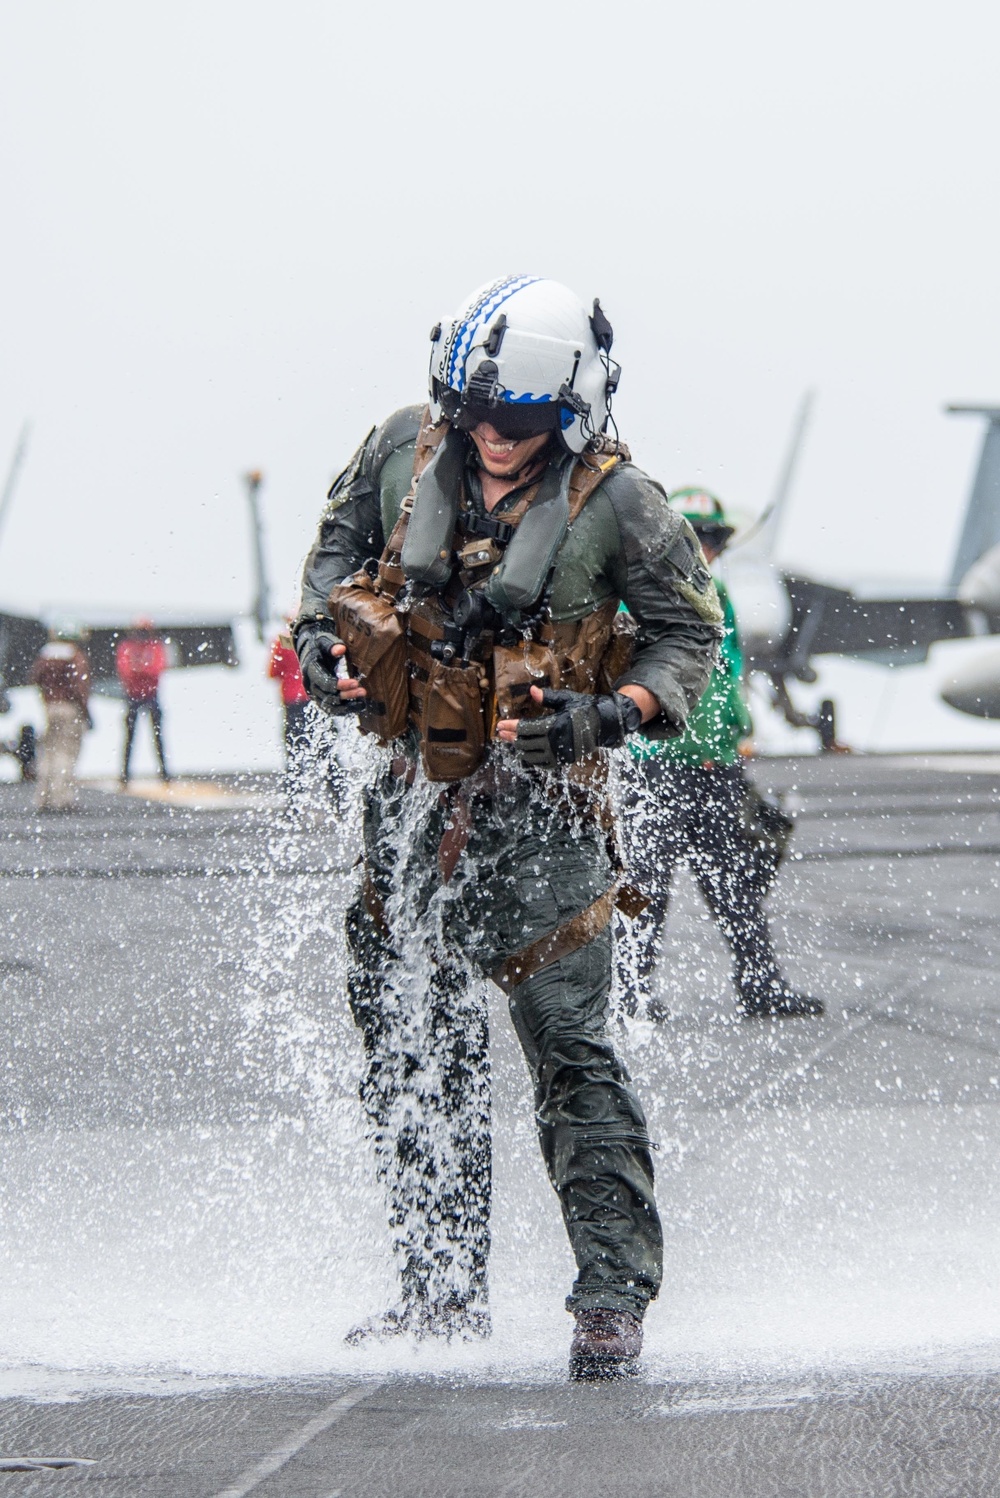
{"points": [[188, 1222]]}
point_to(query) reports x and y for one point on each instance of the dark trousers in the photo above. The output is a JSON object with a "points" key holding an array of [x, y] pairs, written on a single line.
{"points": [[132, 711], [296, 733], [415, 986], [685, 813], [309, 752], [298, 745]]}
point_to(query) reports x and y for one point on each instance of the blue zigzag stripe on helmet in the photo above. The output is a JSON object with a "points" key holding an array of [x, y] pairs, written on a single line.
{"points": [[493, 297], [525, 400]]}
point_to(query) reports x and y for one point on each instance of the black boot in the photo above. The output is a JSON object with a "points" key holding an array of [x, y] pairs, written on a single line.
{"points": [[777, 1001], [398, 1321], [466, 1320], [606, 1344]]}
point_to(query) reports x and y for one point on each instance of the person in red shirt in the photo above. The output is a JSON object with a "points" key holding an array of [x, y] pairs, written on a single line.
{"points": [[284, 668], [141, 659], [310, 753]]}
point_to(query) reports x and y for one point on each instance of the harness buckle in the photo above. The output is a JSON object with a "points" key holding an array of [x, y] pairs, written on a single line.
{"points": [[500, 531]]}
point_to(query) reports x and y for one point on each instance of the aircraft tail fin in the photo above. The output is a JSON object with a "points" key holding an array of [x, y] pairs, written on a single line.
{"points": [[981, 530], [15, 467], [760, 540]]}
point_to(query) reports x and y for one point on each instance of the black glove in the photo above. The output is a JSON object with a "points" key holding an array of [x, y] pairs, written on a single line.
{"points": [[314, 642], [575, 725]]}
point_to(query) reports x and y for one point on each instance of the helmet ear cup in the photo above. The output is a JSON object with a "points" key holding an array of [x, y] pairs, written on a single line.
{"points": [[438, 389]]}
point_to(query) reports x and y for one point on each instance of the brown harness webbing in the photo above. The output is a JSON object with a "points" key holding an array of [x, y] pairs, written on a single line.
{"points": [[565, 939], [588, 473], [426, 620], [374, 905], [573, 934]]}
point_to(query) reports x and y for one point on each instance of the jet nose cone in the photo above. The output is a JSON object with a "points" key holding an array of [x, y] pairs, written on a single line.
{"points": [[980, 587], [976, 689]]}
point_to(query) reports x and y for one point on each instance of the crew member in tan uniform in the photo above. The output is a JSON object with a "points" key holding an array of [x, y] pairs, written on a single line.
{"points": [[61, 673]]}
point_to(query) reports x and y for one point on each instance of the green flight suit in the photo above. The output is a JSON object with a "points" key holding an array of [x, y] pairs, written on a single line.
{"points": [[532, 861]]}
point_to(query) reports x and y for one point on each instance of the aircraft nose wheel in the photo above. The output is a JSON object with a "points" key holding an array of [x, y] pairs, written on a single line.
{"points": [[826, 725]]}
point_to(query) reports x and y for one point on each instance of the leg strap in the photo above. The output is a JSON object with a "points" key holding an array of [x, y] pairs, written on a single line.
{"points": [[569, 937]]}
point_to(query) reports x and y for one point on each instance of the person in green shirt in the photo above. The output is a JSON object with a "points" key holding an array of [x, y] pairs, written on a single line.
{"points": [[690, 804]]}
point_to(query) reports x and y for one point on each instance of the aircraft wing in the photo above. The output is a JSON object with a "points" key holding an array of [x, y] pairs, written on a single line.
{"points": [[187, 644], [21, 639], [834, 621]]}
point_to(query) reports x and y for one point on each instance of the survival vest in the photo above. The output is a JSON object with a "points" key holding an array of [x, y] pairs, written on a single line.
{"points": [[449, 632]]}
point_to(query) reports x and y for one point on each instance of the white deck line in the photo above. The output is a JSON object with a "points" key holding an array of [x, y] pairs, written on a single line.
{"points": [[283, 1454]]}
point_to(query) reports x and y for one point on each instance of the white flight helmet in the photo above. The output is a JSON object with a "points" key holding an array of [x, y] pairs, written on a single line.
{"points": [[524, 354]]}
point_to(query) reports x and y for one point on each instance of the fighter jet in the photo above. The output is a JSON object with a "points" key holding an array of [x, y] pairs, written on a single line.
{"points": [[975, 688], [787, 620]]}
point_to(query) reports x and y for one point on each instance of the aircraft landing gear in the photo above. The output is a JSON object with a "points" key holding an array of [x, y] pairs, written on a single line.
{"points": [[822, 722], [25, 750]]}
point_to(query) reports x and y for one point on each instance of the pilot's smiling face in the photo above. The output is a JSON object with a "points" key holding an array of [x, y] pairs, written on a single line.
{"points": [[503, 456]]}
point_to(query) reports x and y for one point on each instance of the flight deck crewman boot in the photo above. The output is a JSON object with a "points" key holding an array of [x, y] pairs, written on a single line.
{"points": [[454, 1318], [776, 1000], [606, 1344]]}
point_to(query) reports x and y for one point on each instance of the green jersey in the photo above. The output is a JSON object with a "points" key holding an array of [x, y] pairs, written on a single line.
{"points": [[721, 717]]}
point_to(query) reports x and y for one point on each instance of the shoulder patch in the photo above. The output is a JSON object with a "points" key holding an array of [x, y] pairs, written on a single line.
{"points": [[342, 486], [692, 579]]}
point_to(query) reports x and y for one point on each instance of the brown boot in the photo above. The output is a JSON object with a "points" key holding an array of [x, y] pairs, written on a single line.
{"points": [[606, 1344]]}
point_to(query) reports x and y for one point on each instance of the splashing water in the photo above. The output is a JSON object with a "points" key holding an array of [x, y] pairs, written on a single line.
{"points": [[187, 1188]]}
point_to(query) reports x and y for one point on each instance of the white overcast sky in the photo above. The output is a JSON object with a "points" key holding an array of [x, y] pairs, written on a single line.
{"points": [[228, 227]]}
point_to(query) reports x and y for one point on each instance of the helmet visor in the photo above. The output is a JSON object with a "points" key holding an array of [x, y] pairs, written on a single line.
{"points": [[513, 421]]}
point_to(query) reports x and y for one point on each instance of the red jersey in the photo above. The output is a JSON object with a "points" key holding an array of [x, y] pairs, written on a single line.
{"points": [[284, 667], [140, 662]]}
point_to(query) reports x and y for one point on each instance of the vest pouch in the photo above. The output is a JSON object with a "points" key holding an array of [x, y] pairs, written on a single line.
{"points": [[452, 727], [376, 652], [518, 668]]}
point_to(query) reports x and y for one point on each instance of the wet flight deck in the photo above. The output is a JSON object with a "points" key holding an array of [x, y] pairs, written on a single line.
{"points": [[189, 1222]]}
